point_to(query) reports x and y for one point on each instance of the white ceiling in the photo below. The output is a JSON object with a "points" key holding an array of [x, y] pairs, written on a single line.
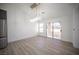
{"points": [[54, 10], [49, 9]]}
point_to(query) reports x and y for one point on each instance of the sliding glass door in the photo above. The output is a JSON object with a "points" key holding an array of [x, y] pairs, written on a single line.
{"points": [[54, 30], [57, 30], [49, 30]]}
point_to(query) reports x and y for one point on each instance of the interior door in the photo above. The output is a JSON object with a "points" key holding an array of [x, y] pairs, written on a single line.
{"points": [[76, 28]]}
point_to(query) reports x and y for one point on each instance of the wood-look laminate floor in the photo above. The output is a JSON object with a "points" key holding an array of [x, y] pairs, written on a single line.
{"points": [[39, 46]]}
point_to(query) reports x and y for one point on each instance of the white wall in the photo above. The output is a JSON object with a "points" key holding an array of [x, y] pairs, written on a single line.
{"points": [[18, 16], [61, 13], [19, 26], [66, 23]]}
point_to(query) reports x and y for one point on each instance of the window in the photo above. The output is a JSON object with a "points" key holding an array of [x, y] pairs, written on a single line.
{"points": [[41, 27]]}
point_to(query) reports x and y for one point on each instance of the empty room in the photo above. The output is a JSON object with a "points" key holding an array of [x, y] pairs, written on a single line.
{"points": [[39, 28]]}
